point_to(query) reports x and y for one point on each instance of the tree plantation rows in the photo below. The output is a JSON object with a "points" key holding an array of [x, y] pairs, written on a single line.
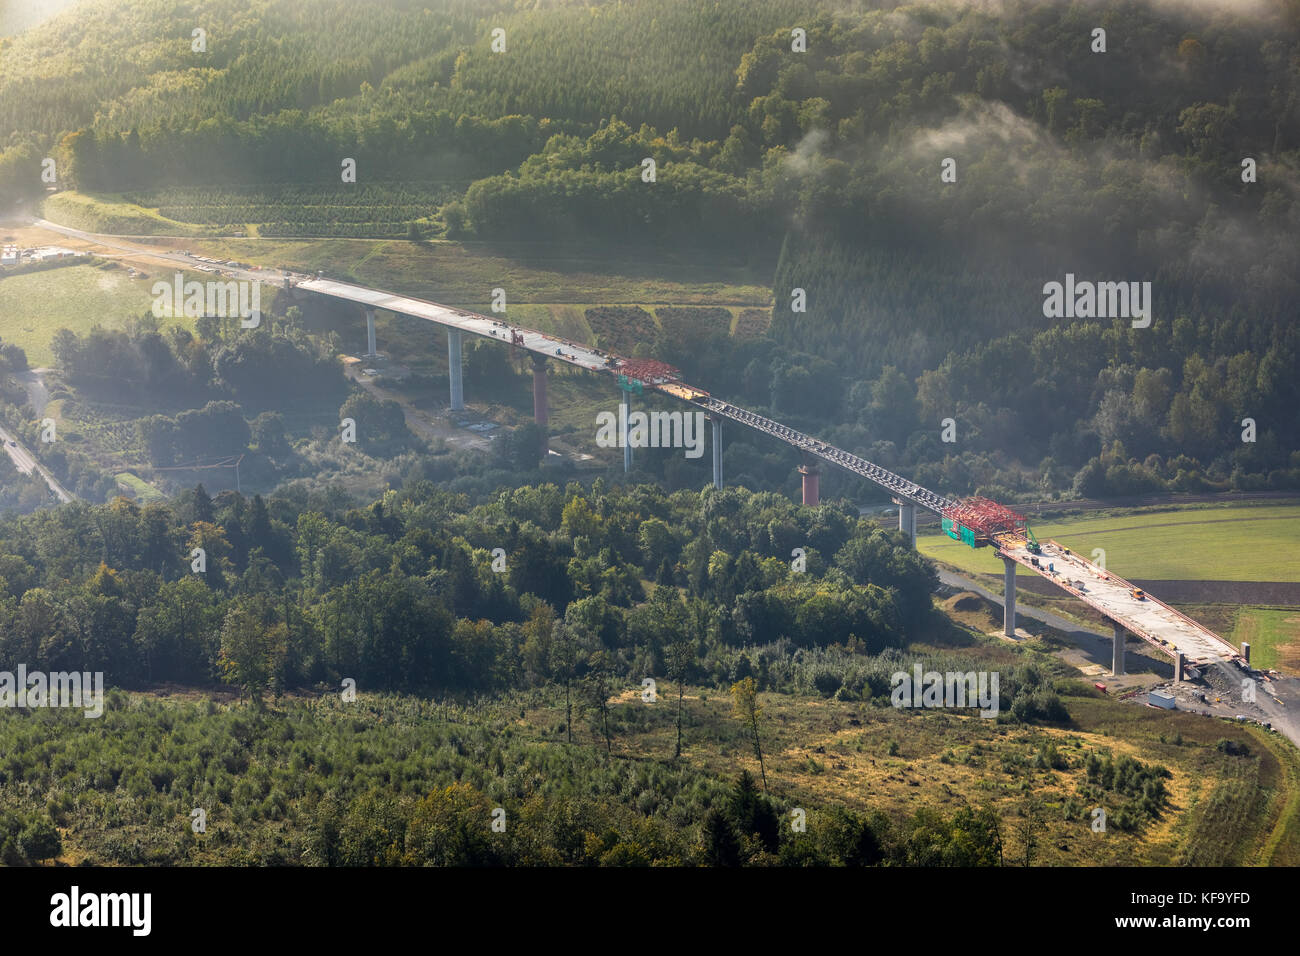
{"points": [[371, 211]]}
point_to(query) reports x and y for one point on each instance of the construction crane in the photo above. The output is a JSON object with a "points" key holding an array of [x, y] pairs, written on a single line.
{"points": [[1034, 546]]}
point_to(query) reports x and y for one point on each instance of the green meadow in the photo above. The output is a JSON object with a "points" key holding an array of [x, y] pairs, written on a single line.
{"points": [[35, 305], [1236, 542]]}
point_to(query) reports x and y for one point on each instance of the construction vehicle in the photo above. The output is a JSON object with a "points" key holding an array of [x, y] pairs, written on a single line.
{"points": [[1034, 546], [1139, 594]]}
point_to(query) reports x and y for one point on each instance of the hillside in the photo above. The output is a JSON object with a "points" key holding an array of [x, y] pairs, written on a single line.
{"points": [[820, 159]]}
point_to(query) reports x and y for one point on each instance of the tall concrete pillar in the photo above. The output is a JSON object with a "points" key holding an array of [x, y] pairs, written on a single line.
{"points": [[1180, 664], [1009, 597], [541, 411], [717, 451], [811, 484], [370, 334], [454, 369], [1245, 650], [627, 445], [907, 520], [1117, 662]]}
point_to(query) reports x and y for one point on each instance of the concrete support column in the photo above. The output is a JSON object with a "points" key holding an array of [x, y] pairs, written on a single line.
{"points": [[717, 451], [1245, 650], [811, 484], [454, 370], [541, 411], [1180, 665], [1117, 663], [627, 445], [370, 334], [907, 520], [1009, 597]]}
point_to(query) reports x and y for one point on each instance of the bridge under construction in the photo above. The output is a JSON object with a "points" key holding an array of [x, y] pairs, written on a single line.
{"points": [[976, 521]]}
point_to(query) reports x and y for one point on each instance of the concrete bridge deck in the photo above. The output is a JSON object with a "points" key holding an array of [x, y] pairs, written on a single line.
{"points": [[539, 343], [1148, 617]]}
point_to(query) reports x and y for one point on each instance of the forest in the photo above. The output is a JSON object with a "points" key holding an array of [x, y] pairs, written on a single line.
{"points": [[418, 591], [821, 164], [453, 622]]}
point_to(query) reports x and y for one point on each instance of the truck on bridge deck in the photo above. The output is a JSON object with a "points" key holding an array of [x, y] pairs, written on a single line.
{"points": [[1138, 612]]}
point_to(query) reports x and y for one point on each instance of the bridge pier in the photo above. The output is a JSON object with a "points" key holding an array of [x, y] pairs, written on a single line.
{"points": [[907, 520], [811, 484], [454, 369], [1180, 663], [717, 450], [541, 411], [1117, 657], [370, 334], [1009, 597], [627, 428]]}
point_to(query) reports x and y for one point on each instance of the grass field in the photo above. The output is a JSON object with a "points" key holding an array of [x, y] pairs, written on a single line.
{"points": [[1218, 543], [36, 305], [1273, 634], [143, 491]]}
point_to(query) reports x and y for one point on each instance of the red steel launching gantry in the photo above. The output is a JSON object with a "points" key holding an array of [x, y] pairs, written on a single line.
{"points": [[647, 371], [985, 518]]}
